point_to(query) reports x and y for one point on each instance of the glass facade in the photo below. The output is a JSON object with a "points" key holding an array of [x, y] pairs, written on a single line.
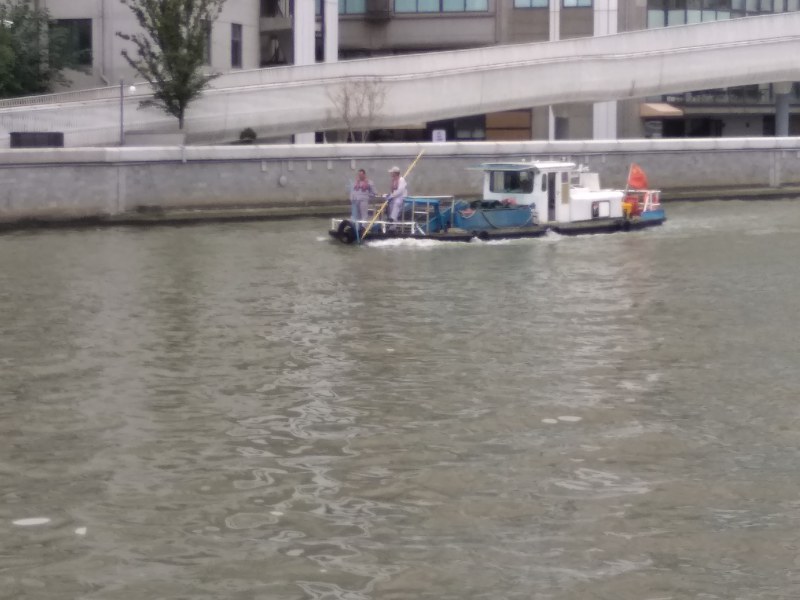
{"points": [[531, 3], [440, 6], [663, 13], [352, 7]]}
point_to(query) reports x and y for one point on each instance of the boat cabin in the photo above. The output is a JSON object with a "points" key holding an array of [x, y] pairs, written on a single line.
{"points": [[560, 192]]}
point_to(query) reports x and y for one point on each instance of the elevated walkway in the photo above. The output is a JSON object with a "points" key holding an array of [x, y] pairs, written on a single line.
{"points": [[418, 88]]}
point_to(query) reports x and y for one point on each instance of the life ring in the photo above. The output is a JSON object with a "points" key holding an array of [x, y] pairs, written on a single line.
{"points": [[346, 232]]}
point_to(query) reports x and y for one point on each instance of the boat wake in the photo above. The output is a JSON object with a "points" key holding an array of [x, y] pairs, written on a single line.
{"points": [[412, 243]]}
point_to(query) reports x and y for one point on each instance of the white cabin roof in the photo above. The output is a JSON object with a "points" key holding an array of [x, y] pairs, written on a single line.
{"points": [[544, 166]]}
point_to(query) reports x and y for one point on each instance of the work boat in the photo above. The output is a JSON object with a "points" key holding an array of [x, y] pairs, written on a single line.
{"points": [[520, 199]]}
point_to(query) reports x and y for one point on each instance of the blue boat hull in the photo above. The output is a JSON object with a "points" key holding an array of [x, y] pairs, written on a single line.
{"points": [[480, 218], [463, 221]]}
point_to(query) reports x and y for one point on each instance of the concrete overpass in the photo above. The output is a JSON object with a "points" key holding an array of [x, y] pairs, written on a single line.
{"points": [[418, 88]]}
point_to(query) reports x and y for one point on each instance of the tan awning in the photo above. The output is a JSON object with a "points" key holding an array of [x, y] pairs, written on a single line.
{"points": [[656, 110]]}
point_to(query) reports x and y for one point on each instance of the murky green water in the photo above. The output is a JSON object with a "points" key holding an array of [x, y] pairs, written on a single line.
{"points": [[251, 411]]}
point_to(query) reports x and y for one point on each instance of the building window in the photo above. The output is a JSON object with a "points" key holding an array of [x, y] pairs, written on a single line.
{"points": [[79, 38], [577, 3], [236, 46], [352, 7], [272, 8], [531, 3], [470, 128], [662, 13], [439, 6], [207, 42]]}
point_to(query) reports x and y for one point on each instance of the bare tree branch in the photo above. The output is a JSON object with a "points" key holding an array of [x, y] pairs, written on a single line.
{"points": [[357, 103]]}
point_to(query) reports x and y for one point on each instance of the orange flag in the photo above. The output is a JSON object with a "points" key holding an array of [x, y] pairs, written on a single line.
{"points": [[637, 179]]}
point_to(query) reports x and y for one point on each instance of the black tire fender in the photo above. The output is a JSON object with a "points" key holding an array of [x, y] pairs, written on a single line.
{"points": [[346, 232]]}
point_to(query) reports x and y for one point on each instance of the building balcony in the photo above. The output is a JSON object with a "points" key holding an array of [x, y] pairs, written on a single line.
{"points": [[275, 24]]}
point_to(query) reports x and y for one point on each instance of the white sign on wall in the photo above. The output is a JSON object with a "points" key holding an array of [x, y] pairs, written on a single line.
{"points": [[439, 135]]}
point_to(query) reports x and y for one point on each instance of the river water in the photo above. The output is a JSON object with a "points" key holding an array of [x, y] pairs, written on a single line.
{"points": [[239, 411]]}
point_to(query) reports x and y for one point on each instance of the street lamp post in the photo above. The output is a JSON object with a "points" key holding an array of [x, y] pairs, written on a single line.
{"points": [[121, 112], [132, 89]]}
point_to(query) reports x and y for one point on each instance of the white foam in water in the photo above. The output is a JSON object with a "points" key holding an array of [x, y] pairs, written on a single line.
{"points": [[407, 243], [277, 513], [569, 419], [550, 421], [80, 531], [31, 521], [629, 385]]}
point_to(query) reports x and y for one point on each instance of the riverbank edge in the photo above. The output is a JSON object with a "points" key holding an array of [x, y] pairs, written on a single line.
{"points": [[94, 187], [155, 216]]}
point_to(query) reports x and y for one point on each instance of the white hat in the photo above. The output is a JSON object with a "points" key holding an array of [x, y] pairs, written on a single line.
{"points": [[394, 170]]}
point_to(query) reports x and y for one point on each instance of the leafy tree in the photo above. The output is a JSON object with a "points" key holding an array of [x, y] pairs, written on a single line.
{"points": [[171, 50], [33, 50]]}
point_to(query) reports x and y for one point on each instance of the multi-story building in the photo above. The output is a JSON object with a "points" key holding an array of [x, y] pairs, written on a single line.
{"points": [[379, 27], [253, 33], [234, 39]]}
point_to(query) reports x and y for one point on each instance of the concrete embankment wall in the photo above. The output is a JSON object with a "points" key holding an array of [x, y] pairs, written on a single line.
{"points": [[106, 183]]}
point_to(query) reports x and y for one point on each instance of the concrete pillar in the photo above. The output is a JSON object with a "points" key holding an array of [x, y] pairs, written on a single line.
{"points": [[604, 114], [555, 35], [606, 17], [782, 91], [331, 19], [304, 25], [555, 21], [304, 32], [604, 120]]}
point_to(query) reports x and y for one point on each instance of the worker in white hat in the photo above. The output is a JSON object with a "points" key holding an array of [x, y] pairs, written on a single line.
{"points": [[398, 194]]}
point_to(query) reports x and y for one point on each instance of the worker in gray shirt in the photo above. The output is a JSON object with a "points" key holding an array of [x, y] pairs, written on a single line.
{"points": [[360, 194]]}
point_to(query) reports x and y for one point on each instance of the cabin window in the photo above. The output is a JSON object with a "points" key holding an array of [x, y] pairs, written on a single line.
{"points": [[544, 183], [511, 182]]}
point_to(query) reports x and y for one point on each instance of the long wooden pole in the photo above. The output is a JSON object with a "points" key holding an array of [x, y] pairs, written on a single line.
{"points": [[383, 206]]}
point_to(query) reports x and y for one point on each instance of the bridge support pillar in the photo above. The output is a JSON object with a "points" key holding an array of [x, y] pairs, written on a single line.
{"points": [[604, 114], [782, 91], [604, 121], [330, 16], [304, 34], [554, 35]]}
